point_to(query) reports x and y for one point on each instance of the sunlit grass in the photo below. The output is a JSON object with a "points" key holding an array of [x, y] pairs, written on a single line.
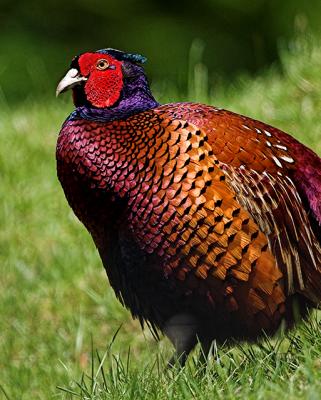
{"points": [[290, 365], [56, 306]]}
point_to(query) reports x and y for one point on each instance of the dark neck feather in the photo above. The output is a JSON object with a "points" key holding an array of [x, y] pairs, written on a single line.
{"points": [[136, 97]]}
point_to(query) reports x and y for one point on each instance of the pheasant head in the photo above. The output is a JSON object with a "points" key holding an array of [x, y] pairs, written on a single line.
{"points": [[108, 78]]}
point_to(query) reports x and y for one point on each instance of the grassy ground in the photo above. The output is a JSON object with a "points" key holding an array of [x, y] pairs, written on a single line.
{"points": [[56, 306]]}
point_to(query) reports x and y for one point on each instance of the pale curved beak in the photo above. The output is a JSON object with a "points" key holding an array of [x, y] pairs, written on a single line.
{"points": [[71, 79]]}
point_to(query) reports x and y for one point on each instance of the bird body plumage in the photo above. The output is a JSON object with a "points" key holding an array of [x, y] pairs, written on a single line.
{"points": [[207, 222]]}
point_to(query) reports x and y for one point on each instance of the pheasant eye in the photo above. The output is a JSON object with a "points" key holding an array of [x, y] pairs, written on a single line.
{"points": [[102, 64]]}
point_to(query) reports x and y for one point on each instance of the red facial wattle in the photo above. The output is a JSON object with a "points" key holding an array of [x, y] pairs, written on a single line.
{"points": [[103, 87]]}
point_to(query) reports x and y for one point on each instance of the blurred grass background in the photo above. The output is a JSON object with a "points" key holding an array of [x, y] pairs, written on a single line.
{"points": [[262, 59], [38, 39]]}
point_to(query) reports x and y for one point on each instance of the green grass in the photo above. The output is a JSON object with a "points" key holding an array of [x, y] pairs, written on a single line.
{"points": [[57, 310]]}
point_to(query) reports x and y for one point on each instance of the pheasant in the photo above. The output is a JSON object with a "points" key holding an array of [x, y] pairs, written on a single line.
{"points": [[206, 221]]}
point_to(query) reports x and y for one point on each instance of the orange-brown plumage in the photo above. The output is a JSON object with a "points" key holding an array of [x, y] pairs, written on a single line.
{"points": [[199, 217]]}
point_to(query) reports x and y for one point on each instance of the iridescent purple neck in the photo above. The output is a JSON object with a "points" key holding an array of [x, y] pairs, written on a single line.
{"points": [[136, 97]]}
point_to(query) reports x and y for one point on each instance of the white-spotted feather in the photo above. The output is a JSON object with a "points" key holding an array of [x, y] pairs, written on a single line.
{"points": [[276, 206]]}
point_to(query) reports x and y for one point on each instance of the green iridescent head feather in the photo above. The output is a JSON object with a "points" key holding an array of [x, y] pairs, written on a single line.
{"points": [[122, 56]]}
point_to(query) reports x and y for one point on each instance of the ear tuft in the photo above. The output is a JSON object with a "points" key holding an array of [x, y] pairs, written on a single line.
{"points": [[122, 56]]}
